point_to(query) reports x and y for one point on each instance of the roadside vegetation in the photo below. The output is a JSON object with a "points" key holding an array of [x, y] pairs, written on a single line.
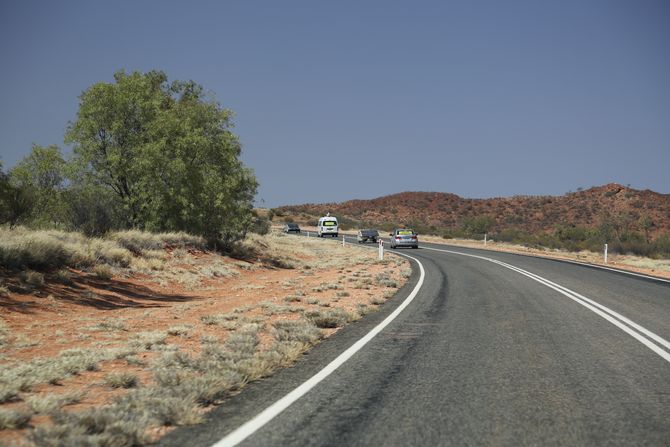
{"points": [[136, 165], [618, 233], [119, 359]]}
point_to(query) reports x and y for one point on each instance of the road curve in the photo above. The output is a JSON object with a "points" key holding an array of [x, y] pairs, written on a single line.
{"points": [[485, 354]]}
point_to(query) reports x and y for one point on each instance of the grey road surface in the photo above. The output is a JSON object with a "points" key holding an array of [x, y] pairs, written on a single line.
{"points": [[483, 356]]}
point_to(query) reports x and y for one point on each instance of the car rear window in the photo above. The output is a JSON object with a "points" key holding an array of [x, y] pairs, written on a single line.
{"points": [[405, 232], [329, 223]]}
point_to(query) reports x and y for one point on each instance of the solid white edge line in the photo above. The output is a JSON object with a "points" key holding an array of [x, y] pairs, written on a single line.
{"points": [[602, 267], [570, 261], [603, 311], [247, 429]]}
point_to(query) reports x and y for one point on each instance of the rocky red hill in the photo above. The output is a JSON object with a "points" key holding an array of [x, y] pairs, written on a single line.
{"points": [[622, 207]]}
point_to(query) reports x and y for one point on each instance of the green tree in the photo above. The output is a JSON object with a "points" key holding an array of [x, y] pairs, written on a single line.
{"points": [[477, 225], [167, 152], [646, 224], [16, 201], [4, 193], [40, 176]]}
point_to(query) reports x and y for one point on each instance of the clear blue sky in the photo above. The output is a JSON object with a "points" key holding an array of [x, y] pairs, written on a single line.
{"points": [[359, 99]]}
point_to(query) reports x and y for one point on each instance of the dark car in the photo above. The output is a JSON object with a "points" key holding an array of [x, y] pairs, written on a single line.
{"points": [[367, 235], [404, 237], [291, 228]]}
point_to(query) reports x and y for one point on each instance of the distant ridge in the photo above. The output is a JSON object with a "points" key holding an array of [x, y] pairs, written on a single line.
{"points": [[631, 209]]}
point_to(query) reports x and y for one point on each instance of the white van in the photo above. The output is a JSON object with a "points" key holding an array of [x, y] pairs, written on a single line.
{"points": [[327, 226]]}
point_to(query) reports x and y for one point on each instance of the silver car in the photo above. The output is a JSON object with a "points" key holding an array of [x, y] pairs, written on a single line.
{"points": [[404, 237]]}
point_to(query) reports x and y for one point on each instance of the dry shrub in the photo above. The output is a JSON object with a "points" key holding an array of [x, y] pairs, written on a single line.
{"points": [[32, 278], [331, 318], [4, 330], [140, 241], [121, 380], [181, 330], [377, 301], [218, 319], [110, 324], [296, 330], [47, 404], [148, 340], [63, 276], [14, 419], [20, 248], [103, 271]]}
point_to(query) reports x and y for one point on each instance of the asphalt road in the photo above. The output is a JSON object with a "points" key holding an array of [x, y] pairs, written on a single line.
{"points": [[483, 355]]}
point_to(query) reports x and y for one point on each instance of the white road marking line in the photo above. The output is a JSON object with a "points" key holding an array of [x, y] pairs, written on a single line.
{"points": [[605, 312], [655, 278], [247, 429], [583, 264]]}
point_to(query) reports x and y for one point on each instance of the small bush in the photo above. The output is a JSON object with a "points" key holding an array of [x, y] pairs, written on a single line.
{"points": [[9, 392], [243, 343], [32, 278], [362, 309], [329, 319], [182, 330], [102, 271], [218, 319], [63, 276], [14, 419], [121, 380], [147, 340], [377, 301], [296, 330], [173, 410], [110, 324], [3, 332], [52, 402]]}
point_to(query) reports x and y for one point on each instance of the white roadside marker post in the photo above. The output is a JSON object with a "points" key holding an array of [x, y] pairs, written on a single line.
{"points": [[605, 253], [381, 250], [343, 241], [485, 236]]}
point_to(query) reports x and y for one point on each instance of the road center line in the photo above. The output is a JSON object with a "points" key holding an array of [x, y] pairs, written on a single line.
{"points": [[247, 429], [641, 334]]}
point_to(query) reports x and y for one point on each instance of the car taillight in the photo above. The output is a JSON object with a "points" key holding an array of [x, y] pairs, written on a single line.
{"points": [[413, 237], [397, 238]]}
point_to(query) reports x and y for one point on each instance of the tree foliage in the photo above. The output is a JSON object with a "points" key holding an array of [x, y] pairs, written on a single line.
{"points": [[36, 184], [478, 225], [167, 154]]}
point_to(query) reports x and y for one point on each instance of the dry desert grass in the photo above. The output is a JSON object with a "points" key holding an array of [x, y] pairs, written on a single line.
{"points": [[164, 330]]}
